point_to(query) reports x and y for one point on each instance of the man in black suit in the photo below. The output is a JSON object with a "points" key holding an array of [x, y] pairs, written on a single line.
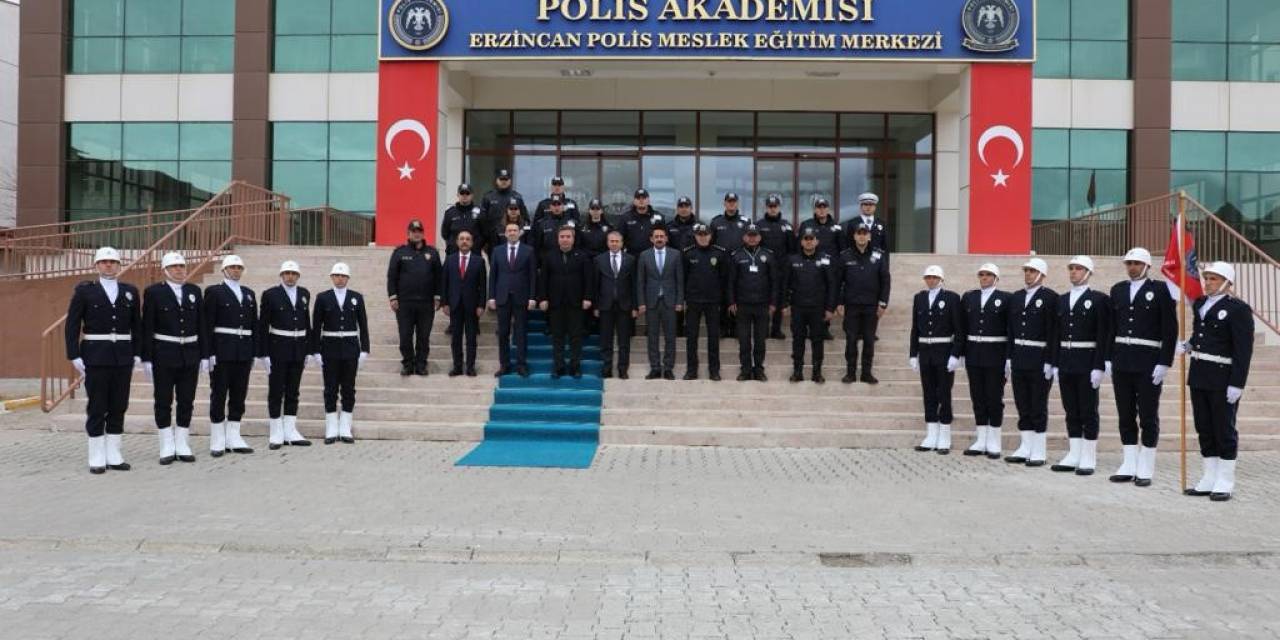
{"points": [[172, 352], [613, 295], [340, 343], [512, 275], [562, 292], [465, 278]]}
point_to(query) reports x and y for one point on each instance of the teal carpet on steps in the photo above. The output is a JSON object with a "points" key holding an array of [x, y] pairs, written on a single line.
{"points": [[542, 422]]}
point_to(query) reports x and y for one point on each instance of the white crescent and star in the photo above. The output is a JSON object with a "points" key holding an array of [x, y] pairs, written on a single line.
{"points": [[996, 132], [412, 126]]}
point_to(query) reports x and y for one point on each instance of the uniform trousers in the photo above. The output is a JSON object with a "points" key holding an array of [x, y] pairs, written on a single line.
{"points": [[1080, 402], [775, 322], [615, 321], [414, 319], [282, 388], [166, 381], [228, 387], [936, 383], [1137, 402], [695, 313], [986, 390], [753, 331], [1031, 397], [860, 323], [807, 324], [108, 391], [1215, 421], [567, 325], [463, 323], [340, 378]]}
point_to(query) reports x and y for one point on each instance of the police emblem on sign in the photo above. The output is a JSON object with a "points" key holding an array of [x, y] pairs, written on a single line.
{"points": [[418, 25], [990, 25]]}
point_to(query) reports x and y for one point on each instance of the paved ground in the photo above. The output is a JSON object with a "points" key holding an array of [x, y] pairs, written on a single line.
{"points": [[383, 539]]}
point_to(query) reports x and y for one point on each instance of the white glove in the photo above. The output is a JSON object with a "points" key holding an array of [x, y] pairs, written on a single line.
{"points": [[1095, 378], [364, 355], [1158, 374], [915, 364], [147, 369], [961, 364], [265, 361], [204, 366], [137, 362], [1049, 371], [953, 363], [78, 363], [1108, 368], [213, 362], [1180, 347], [1008, 368], [1055, 374], [1233, 394], [319, 359]]}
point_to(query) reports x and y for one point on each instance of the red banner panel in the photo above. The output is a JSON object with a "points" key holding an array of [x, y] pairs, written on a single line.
{"points": [[408, 143], [1000, 158]]}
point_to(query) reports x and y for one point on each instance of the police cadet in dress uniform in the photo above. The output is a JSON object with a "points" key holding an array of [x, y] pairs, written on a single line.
{"points": [[986, 358], [867, 203], [464, 214], [726, 232], [106, 311], [1083, 324], [831, 238], [546, 230], [172, 354], [755, 273], [862, 296], [936, 324], [494, 203], [284, 328], [1032, 318], [1221, 347], [706, 283], [777, 235], [230, 320], [340, 344], [808, 288], [637, 223], [568, 204], [415, 280], [680, 228], [1143, 334]]}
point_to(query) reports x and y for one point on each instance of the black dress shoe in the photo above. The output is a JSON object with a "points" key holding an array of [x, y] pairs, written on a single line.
{"points": [[690, 375], [848, 378], [668, 375], [920, 447], [406, 369], [422, 370], [777, 335], [186, 458], [555, 375], [242, 450], [715, 376], [1015, 459], [346, 440], [455, 372], [217, 454], [168, 460], [471, 372], [760, 375], [299, 443], [577, 373], [1084, 472], [522, 371], [330, 440], [623, 375], [870, 379], [1219, 497], [975, 452], [606, 373], [97, 471], [1120, 478], [1196, 493], [993, 456], [123, 466], [818, 377], [654, 374], [744, 376], [1062, 468], [273, 446], [1142, 482], [1035, 463], [797, 376], [502, 371], [943, 452], [828, 336]]}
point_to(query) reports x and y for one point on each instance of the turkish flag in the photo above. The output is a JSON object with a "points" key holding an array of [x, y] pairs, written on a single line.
{"points": [[1174, 264], [999, 158], [408, 127]]}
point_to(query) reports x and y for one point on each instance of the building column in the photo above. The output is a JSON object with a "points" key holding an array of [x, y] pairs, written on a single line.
{"points": [[949, 100], [1151, 52], [251, 130], [42, 141]]}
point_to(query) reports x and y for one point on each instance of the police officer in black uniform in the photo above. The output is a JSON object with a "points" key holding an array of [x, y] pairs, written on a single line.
{"points": [[494, 203], [415, 280], [106, 312], [230, 340], [593, 232], [867, 204], [937, 322], [1083, 324], [568, 205], [545, 231], [172, 354], [808, 289], [831, 239], [680, 228], [340, 344], [1221, 348], [706, 283], [284, 347], [726, 232], [498, 233], [778, 236], [986, 358], [637, 222], [1032, 314], [1143, 335], [755, 275], [862, 297], [463, 215]]}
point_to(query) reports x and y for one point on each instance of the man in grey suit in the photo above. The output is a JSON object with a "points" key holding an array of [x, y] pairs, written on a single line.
{"points": [[660, 286]]}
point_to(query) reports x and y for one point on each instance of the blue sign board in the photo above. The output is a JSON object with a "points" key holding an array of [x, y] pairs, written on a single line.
{"points": [[935, 30]]}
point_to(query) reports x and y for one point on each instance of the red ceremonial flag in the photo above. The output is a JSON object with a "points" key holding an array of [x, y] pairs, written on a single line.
{"points": [[1174, 264]]}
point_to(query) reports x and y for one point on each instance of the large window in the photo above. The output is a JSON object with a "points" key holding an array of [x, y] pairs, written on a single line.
{"points": [[1082, 39], [322, 36], [1236, 40], [1067, 161], [152, 36], [1235, 174], [115, 168], [799, 156], [325, 163]]}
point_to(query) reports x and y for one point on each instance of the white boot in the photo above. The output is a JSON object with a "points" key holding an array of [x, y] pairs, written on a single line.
{"points": [[1146, 466], [115, 459], [1039, 449], [234, 441], [291, 434], [1226, 481], [979, 446], [344, 427], [1023, 451], [930, 441], [1088, 458], [994, 442], [1208, 478], [181, 446], [1129, 467], [330, 428], [97, 454], [1072, 459], [166, 445], [275, 434], [217, 438], [944, 439]]}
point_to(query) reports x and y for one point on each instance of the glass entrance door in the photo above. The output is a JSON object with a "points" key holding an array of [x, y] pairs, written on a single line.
{"points": [[798, 182], [613, 179]]}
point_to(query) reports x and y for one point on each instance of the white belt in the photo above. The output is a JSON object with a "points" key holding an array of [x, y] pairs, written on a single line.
{"points": [[340, 334], [1139, 342], [946, 340], [177, 339], [300, 333], [107, 337], [1079, 345], [233, 331], [992, 339], [1019, 342], [1208, 357]]}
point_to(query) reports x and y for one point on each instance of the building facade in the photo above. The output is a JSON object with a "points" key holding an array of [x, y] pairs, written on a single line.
{"points": [[8, 112], [136, 104]]}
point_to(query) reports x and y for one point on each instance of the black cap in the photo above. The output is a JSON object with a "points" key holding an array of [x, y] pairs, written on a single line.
{"points": [[701, 229], [684, 201], [731, 197], [503, 174], [464, 188], [773, 201], [753, 230], [862, 227], [557, 181], [641, 193], [415, 225], [513, 203], [808, 233], [595, 204], [557, 198], [821, 202]]}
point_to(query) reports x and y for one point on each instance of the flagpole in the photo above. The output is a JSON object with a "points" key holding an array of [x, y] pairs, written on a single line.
{"points": [[1182, 329]]}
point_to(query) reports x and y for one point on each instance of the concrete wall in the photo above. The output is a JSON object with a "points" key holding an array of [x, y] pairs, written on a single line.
{"points": [[8, 112]]}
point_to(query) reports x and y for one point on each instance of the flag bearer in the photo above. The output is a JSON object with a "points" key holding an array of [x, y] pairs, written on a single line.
{"points": [[936, 321], [1032, 314], [171, 354], [230, 317], [1083, 324], [340, 342], [284, 341]]}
